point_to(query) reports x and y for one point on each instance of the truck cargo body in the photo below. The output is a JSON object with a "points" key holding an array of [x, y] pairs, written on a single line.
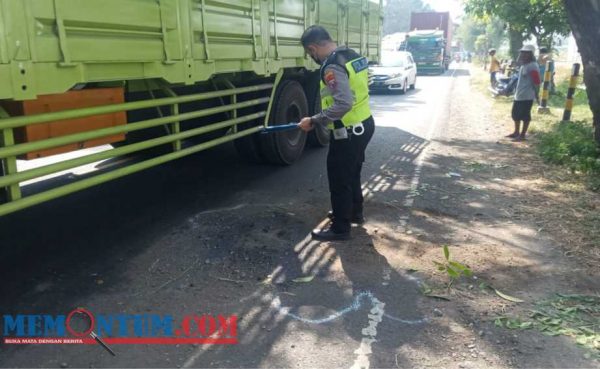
{"points": [[143, 74], [430, 40]]}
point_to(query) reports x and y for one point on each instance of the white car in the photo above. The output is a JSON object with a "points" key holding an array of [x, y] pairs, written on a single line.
{"points": [[396, 72]]}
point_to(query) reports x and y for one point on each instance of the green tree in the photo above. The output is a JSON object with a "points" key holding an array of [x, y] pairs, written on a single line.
{"points": [[482, 44], [496, 32], [547, 18], [397, 14], [583, 18], [543, 19], [469, 30], [480, 34]]}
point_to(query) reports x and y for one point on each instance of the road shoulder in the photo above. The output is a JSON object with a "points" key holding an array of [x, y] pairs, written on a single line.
{"points": [[485, 197]]}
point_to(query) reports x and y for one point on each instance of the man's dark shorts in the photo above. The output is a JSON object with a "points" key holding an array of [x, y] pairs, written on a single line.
{"points": [[521, 110]]}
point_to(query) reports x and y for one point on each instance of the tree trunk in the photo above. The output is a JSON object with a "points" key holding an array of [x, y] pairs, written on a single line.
{"points": [[516, 42], [583, 18], [546, 41]]}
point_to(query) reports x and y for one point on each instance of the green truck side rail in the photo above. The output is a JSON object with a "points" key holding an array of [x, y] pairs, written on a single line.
{"points": [[49, 46], [244, 49]]}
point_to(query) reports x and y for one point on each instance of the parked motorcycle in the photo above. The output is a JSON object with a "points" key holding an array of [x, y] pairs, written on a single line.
{"points": [[506, 82]]}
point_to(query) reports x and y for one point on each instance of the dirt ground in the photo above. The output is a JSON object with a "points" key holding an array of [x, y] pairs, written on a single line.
{"points": [[512, 220]]}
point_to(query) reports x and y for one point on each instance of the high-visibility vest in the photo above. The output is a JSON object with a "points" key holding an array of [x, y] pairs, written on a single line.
{"points": [[357, 68]]}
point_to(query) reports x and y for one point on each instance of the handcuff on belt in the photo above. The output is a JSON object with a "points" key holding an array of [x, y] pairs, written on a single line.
{"points": [[342, 132], [358, 129]]}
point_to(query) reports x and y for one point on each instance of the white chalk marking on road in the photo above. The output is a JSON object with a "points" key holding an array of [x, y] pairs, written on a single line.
{"points": [[387, 276], [369, 333], [376, 315], [356, 305]]}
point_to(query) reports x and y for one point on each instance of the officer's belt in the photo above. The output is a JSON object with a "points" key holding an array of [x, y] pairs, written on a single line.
{"points": [[357, 129]]}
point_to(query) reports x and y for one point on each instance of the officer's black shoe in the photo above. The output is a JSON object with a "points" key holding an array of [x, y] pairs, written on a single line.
{"points": [[356, 219], [328, 234]]}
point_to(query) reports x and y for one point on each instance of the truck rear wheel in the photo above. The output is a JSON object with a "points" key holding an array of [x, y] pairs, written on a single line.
{"points": [[318, 137], [248, 148], [290, 105]]}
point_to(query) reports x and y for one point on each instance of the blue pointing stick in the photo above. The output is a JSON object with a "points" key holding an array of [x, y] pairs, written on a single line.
{"points": [[280, 128]]}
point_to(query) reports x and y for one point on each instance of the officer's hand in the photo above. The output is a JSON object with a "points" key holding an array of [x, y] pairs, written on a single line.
{"points": [[306, 124]]}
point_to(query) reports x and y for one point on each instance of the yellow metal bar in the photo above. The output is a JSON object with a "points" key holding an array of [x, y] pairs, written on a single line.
{"points": [[175, 126], [62, 35], [273, 92], [14, 150], [205, 31], [118, 173], [9, 164], [125, 150], [15, 122], [234, 100], [277, 55]]}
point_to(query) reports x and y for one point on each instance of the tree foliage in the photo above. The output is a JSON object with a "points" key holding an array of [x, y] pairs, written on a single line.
{"points": [[543, 19], [469, 30], [397, 14], [478, 35]]}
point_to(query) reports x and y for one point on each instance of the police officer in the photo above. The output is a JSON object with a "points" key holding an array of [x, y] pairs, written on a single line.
{"points": [[346, 112]]}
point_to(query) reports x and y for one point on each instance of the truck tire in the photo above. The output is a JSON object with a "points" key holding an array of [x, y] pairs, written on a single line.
{"points": [[248, 147], [161, 131], [318, 137], [134, 116], [290, 105]]}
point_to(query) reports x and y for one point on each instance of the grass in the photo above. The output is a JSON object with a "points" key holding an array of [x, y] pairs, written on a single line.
{"points": [[570, 144]]}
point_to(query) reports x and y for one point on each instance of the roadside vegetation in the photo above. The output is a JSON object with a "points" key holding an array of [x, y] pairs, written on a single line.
{"points": [[569, 167], [569, 144]]}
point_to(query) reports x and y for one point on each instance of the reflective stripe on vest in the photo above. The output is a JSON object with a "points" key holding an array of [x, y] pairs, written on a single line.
{"points": [[358, 76]]}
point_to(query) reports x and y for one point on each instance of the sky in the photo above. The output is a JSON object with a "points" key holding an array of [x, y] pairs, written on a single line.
{"points": [[453, 6]]}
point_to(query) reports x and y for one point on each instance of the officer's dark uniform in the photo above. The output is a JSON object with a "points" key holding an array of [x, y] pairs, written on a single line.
{"points": [[345, 102]]}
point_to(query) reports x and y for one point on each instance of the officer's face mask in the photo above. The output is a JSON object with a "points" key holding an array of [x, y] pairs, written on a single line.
{"points": [[312, 52]]}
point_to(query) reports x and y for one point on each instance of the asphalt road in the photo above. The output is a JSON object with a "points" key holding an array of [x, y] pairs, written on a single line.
{"points": [[199, 235]]}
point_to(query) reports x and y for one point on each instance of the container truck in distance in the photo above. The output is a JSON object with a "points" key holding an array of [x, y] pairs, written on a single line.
{"points": [[168, 78], [430, 41]]}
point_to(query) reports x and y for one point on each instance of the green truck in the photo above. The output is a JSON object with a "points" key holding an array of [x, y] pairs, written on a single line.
{"points": [[159, 78], [430, 41]]}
